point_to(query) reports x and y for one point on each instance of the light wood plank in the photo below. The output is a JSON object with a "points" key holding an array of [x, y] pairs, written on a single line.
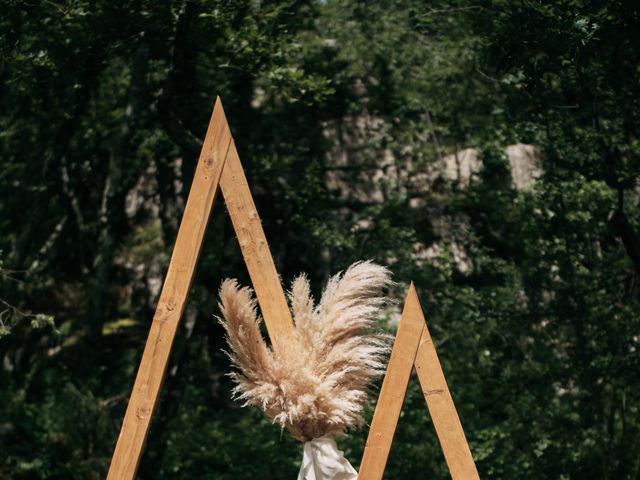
{"points": [[443, 411], [394, 389], [172, 300], [255, 249]]}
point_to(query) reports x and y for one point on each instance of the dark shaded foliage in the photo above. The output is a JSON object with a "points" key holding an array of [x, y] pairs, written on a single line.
{"points": [[103, 106]]}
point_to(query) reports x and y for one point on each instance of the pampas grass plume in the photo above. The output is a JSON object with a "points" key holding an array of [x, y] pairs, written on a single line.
{"points": [[317, 384]]}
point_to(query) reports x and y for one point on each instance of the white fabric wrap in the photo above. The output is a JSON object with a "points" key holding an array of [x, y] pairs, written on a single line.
{"points": [[323, 461]]}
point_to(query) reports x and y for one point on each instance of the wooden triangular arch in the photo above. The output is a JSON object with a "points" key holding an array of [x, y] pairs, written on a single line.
{"points": [[219, 166], [414, 346]]}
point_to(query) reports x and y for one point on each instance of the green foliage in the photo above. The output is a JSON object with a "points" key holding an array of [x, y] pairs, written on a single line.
{"points": [[340, 110]]}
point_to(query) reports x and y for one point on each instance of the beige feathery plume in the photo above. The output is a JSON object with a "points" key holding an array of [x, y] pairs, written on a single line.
{"points": [[317, 384]]}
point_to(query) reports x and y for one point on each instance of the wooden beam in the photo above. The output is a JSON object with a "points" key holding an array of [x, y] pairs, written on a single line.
{"points": [[394, 389], [255, 250], [182, 265], [443, 412]]}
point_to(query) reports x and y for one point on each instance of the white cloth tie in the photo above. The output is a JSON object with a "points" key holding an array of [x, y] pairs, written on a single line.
{"points": [[323, 461]]}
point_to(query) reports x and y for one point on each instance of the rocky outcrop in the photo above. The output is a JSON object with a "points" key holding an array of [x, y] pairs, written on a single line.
{"points": [[525, 163], [463, 167], [362, 170]]}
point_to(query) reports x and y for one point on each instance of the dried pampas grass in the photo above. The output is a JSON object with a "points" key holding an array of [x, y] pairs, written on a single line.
{"points": [[317, 383]]}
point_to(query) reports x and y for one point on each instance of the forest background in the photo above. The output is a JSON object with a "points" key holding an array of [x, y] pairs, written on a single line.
{"points": [[488, 150]]}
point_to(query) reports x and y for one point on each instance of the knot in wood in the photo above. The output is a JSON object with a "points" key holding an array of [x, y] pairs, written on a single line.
{"points": [[142, 412], [210, 161]]}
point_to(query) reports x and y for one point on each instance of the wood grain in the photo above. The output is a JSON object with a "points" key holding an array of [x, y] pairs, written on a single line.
{"points": [[172, 300], [394, 389], [443, 411], [255, 250]]}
